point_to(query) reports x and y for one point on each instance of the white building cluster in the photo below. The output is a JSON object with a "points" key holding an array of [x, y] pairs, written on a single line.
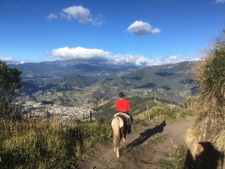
{"points": [[65, 110], [37, 109]]}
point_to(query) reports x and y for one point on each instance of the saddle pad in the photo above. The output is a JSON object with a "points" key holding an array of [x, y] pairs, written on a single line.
{"points": [[121, 113]]}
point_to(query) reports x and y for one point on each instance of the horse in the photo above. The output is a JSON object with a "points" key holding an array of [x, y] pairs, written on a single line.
{"points": [[119, 128]]}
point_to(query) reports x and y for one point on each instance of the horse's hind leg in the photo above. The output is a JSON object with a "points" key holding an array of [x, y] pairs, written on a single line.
{"points": [[115, 149], [124, 142], [117, 152]]}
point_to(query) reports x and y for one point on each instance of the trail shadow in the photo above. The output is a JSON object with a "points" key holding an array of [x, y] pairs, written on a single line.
{"points": [[209, 158], [145, 135]]}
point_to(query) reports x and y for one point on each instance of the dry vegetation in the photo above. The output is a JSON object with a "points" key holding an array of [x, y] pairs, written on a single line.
{"points": [[207, 135], [32, 143]]}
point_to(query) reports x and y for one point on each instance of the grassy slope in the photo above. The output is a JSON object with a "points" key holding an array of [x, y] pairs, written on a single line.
{"points": [[138, 107], [42, 144]]}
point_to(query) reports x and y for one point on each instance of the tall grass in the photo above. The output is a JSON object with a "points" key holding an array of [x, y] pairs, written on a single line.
{"points": [[176, 160], [45, 144], [164, 113]]}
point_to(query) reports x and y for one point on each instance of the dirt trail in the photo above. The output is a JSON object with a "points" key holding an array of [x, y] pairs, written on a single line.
{"points": [[146, 146]]}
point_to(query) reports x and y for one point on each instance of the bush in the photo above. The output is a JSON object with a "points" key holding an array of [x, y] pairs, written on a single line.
{"points": [[164, 112], [209, 103], [156, 111], [210, 73]]}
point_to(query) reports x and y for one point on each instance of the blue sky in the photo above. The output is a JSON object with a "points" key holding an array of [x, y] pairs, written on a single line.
{"points": [[140, 32]]}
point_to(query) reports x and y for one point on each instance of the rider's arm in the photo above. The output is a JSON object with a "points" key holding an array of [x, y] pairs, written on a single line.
{"points": [[128, 106], [117, 106]]}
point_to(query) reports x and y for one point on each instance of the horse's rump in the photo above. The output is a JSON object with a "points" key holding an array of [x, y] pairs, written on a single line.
{"points": [[117, 120]]}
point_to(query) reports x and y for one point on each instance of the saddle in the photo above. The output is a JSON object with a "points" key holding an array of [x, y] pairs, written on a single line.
{"points": [[128, 117], [122, 114]]}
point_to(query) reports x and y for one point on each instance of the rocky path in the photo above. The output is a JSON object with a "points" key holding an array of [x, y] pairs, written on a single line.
{"points": [[146, 146]]}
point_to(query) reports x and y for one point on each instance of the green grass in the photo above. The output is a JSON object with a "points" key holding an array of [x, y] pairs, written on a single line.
{"points": [[42, 144], [175, 160], [141, 122]]}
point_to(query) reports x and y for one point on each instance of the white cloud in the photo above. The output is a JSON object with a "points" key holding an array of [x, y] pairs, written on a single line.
{"points": [[142, 28], [137, 60], [105, 57], [77, 12], [11, 60], [172, 59], [52, 16], [78, 53], [83, 15], [97, 55], [220, 1]]}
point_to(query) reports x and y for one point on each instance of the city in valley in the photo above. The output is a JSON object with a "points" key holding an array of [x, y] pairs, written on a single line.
{"points": [[63, 113]]}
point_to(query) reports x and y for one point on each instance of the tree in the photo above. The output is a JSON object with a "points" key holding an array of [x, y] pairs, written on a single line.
{"points": [[10, 88]]}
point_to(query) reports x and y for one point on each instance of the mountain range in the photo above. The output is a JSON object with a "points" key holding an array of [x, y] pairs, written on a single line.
{"points": [[72, 83], [62, 68]]}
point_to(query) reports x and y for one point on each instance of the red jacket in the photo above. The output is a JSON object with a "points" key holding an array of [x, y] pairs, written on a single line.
{"points": [[122, 105]]}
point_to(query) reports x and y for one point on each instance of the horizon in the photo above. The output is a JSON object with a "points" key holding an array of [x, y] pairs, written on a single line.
{"points": [[9, 62], [134, 33]]}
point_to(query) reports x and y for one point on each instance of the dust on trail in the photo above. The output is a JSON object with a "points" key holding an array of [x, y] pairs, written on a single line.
{"points": [[146, 146]]}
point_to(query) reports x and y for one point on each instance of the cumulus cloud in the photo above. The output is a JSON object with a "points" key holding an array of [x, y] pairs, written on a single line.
{"points": [[83, 15], [97, 55], [172, 59], [79, 53], [77, 12], [137, 60], [105, 57], [142, 28], [52, 16], [220, 1]]}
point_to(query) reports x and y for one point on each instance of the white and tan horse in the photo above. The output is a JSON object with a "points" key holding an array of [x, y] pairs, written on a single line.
{"points": [[119, 128]]}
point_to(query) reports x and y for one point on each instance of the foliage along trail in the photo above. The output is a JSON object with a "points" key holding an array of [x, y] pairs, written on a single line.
{"points": [[146, 147]]}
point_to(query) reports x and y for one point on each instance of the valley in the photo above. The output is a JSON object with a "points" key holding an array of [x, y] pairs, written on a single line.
{"points": [[172, 82]]}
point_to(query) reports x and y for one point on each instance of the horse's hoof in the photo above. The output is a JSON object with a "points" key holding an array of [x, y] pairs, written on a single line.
{"points": [[117, 154]]}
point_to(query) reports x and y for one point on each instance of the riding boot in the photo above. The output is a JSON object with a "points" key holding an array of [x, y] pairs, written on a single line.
{"points": [[129, 129]]}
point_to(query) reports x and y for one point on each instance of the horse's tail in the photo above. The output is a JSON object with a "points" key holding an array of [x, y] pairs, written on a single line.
{"points": [[116, 132]]}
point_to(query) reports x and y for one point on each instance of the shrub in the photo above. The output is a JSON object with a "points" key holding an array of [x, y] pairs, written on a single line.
{"points": [[210, 73]]}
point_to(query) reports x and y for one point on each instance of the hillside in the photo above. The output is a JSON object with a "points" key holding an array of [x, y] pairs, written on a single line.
{"points": [[105, 108], [171, 82]]}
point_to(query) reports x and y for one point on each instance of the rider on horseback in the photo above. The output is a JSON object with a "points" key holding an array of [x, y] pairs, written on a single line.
{"points": [[122, 105]]}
